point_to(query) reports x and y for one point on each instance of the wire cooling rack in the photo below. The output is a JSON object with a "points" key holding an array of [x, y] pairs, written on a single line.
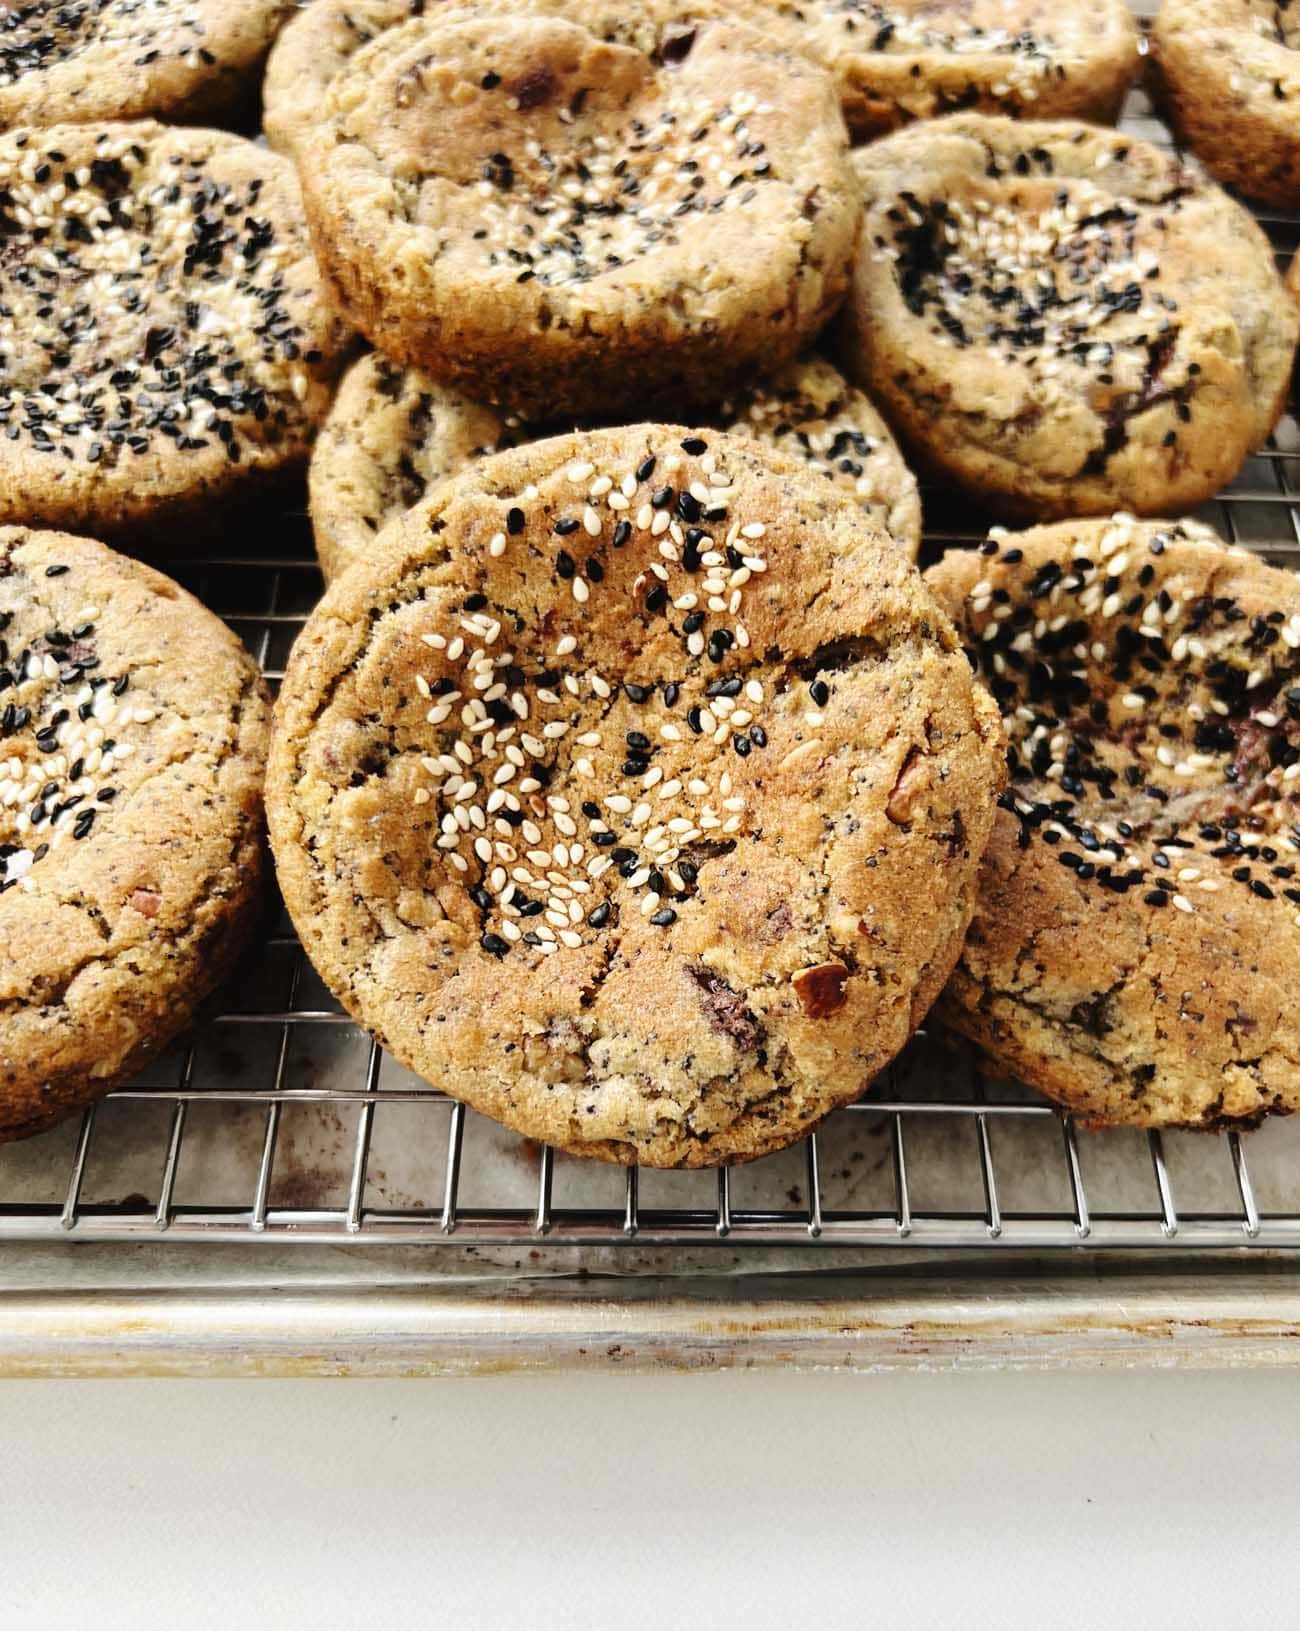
{"points": [[279, 1119]]}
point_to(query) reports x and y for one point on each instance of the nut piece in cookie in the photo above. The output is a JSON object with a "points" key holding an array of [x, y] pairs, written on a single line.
{"points": [[164, 342], [899, 60], [579, 793], [1064, 320], [540, 219], [186, 61], [1135, 946], [133, 734], [394, 433], [1227, 73]]}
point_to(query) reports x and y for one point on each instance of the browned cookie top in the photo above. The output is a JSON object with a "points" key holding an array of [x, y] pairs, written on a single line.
{"points": [[133, 733], [1135, 948], [899, 60], [635, 793], [163, 335], [1065, 319]]}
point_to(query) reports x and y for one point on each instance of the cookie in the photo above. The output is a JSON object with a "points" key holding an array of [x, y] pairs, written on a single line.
{"points": [[1064, 320], [325, 35], [133, 734], [86, 60], [1227, 75], [393, 433], [636, 794], [164, 340], [1135, 946], [916, 59], [539, 219]]}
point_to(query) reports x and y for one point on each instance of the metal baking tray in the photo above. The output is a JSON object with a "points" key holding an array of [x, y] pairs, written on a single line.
{"points": [[277, 1195]]}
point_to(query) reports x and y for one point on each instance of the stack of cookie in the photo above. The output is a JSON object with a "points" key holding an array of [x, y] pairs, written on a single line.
{"points": [[629, 780]]}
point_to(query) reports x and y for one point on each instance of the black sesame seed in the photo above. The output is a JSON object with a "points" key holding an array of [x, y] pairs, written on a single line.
{"points": [[599, 917], [475, 603], [661, 498], [55, 571], [663, 917], [820, 692], [671, 692], [514, 520], [494, 944], [694, 445], [1156, 897], [564, 564], [646, 468], [622, 532]]}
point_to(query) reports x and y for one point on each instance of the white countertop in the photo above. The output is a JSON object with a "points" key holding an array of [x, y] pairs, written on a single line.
{"points": [[623, 1501]]}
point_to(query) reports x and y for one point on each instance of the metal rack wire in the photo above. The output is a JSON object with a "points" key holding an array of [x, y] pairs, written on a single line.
{"points": [[280, 1120]]}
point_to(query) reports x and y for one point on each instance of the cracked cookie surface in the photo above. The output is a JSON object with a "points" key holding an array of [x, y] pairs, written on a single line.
{"points": [[183, 60], [636, 794], [164, 340], [1227, 73], [133, 733], [1135, 947], [394, 433], [541, 219], [1064, 320]]}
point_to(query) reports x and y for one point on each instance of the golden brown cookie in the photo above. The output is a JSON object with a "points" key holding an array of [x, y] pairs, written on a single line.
{"points": [[1064, 320], [182, 60], [1135, 949], [1227, 72], [537, 218], [899, 60], [164, 341], [394, 433], [133, 730], [635, 795]]}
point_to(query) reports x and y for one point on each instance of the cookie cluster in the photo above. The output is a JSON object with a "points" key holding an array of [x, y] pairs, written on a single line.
{"points": [[629, 780]]}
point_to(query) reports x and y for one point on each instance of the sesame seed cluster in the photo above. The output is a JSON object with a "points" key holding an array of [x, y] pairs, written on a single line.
{"points": [[1154, 724], [544, 220], [44, 31], [611, 198], [87, 60], [66, 727], [161, 328], [548, 793], [1066, 320], [655, 710]]}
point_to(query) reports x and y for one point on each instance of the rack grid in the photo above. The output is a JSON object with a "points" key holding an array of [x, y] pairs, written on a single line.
{"points": [[278, 1120]]}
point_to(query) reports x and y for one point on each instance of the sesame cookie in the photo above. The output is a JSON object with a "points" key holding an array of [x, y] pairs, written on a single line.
{"points": [[1135, 947], [899, 60], [133, 730], [1064, 320], [636, 795], [394, 433], [182, 60], [163, 336], [540, 219], [1227, 73]]}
